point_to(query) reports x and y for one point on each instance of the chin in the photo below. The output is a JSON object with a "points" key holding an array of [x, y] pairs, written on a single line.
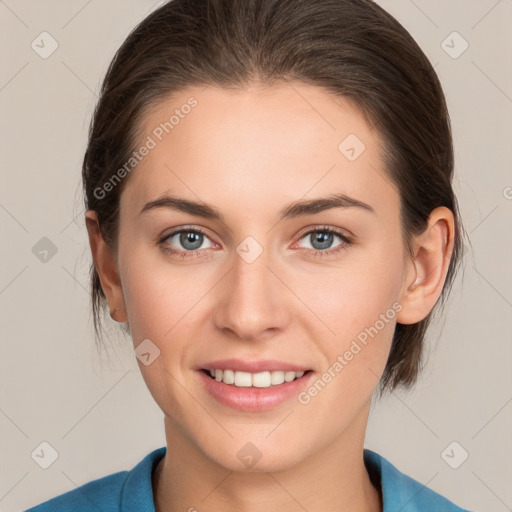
{"points": [[256, 456]]}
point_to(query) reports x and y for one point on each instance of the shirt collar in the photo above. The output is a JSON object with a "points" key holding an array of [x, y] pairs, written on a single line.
{"points": [[399, 491], [137, 492]]}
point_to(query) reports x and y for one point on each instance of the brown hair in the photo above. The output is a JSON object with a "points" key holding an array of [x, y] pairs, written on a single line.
{"points": [[352, 48]]}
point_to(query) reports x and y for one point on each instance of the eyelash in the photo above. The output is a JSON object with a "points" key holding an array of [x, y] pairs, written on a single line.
{"points": [[347, 241]]}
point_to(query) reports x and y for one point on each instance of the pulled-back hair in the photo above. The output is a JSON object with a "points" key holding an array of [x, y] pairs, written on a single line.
{"points": [[352, 48]]}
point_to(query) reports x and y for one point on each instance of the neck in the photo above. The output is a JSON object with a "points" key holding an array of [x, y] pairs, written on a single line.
{"points": [[334, 478]]}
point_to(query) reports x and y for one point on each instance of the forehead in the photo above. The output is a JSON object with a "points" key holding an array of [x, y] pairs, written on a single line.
{"points": [[261, 144]]}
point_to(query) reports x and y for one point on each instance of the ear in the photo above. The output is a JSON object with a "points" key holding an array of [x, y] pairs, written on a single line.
{"points": [[106, 266], [426, 271]]}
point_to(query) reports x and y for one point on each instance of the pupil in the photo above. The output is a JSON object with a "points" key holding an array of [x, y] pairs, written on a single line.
{"points": [[322, 239], [191, 237]]}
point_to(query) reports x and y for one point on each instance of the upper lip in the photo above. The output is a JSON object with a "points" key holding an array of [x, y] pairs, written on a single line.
{"points": [[253, 366]]}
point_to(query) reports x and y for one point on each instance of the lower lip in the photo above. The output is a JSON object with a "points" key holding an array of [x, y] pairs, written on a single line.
{"points": [[253, 399]]}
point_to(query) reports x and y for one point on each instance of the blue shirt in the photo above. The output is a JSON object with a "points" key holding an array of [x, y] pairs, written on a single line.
{"points": [[131, 491]]}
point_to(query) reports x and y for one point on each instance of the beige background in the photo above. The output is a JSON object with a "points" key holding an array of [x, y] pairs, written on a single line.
{"points": [[97, 413]]}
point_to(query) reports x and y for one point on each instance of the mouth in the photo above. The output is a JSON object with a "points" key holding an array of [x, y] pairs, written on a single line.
{"points": [[257, 391], [263, 379]]}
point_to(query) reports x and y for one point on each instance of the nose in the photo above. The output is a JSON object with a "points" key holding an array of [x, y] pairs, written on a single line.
{"points": [[252, 302]]}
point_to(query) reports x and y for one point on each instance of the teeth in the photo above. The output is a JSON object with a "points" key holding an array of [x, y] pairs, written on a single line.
{"points": [[228, 376], [276, 378], [257, 380], [289, 376]]}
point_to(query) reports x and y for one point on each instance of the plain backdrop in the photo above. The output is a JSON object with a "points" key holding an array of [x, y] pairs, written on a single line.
{"points": [[96, 412]]}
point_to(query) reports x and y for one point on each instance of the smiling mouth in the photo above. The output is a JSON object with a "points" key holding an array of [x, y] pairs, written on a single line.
{"points": [[265, 379]]}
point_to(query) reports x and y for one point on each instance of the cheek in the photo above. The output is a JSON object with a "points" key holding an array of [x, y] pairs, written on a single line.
{"points": [[353, 297], [160, 301], [359, 304], [158, 295]]}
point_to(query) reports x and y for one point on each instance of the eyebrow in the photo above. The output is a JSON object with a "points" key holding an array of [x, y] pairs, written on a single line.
{"points": [[296, 209]]}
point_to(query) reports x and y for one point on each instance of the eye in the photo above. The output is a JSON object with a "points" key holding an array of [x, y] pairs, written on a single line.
{"points": [[185, 242], [321, 241], [188, 242]]}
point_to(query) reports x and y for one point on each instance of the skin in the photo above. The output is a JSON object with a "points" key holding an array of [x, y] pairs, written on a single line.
{"points": [[248, 153]]}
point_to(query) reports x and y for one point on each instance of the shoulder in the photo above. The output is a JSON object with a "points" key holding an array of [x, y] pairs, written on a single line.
{"points": [[100, 494], [119, 492], [401, 492]]}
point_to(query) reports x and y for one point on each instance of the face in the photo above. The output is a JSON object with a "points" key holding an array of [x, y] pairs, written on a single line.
{"points": [[251, 280]]}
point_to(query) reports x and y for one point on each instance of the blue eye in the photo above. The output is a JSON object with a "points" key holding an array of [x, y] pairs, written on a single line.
{"points": [[321, 241], [188, 242], [189, 239]]}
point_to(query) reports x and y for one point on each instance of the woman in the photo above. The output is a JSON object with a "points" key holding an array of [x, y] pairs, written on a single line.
{"points": [[271, 218]]}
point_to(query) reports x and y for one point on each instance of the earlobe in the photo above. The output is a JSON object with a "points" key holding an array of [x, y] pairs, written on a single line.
{"points": [[432, 251], [106, 267]]}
